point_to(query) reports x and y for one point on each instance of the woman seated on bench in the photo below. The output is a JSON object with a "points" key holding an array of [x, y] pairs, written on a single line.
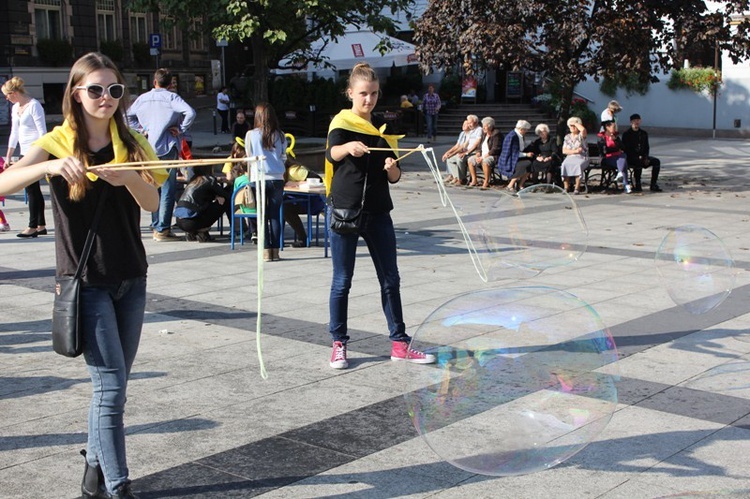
{"points": [[546, 154], [576, 151], [612, 152]]}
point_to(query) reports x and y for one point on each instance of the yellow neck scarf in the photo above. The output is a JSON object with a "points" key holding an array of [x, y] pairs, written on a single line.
{"points": [[347, 120], [60, 142]]}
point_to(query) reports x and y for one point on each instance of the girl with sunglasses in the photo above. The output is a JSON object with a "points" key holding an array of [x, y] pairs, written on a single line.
{"points": [[113, 294], [27, 125]]}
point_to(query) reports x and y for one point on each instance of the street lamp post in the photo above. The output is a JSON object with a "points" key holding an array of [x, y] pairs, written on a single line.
{"points": [[223, 43], [715, 86]]}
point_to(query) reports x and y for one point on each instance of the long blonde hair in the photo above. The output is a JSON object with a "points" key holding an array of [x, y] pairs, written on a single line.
{"points": [[74, 114]]}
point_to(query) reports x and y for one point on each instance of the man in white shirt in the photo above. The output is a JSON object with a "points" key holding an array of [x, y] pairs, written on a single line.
{"points": [[459, 162], [222, 107]]}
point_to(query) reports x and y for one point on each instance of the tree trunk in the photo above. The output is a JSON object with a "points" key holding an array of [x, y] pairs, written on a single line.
{"points": [[566, 98], [260, 75]]}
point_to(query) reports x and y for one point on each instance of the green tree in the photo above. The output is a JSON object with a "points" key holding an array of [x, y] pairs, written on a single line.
{"points": [[570, 40], [276, 28]]}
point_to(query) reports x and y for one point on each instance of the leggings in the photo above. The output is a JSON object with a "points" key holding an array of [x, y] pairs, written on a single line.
{"points": [[36, 205]]}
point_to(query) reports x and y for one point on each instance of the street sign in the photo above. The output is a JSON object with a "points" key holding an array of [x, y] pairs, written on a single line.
{"points": [[222, 43], [154, 40]]}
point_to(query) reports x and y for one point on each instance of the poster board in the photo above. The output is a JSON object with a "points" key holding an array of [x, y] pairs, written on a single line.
{"points": [[469, 88], [514, 85]]}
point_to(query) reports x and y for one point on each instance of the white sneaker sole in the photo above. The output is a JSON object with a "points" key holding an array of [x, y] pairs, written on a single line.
{"points": [[339, 365], [426, 360]]}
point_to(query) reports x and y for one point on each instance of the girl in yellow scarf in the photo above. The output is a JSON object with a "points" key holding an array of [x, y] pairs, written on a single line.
{"points": [[358, 178], [113, 294]]}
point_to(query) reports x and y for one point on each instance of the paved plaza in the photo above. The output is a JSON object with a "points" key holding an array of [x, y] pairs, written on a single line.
{"points": [[201, 421]]}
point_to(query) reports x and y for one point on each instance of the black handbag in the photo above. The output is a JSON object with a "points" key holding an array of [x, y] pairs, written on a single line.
{"points": [[67, 335], [347, 220]]}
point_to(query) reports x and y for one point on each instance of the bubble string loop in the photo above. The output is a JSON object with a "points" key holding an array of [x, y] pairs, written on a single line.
{"points": [[258, 165], [445, 200]]}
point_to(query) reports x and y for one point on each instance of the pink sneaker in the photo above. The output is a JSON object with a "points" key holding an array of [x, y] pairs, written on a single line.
{"points": [[4, 227], [338, 357], [401, 351]]}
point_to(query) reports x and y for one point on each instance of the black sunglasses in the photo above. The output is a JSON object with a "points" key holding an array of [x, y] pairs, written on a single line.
{"points": [[96, 91]]}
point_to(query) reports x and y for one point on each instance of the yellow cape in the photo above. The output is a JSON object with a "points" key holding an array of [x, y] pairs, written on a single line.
{"points": [[60, 142], [347, 120]]}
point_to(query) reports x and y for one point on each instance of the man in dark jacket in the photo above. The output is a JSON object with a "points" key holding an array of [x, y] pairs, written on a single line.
{"points": [[635, 140]]}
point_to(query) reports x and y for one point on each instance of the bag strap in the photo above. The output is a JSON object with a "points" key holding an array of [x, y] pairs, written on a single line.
{"points": [[92, 232], [364, 188]]}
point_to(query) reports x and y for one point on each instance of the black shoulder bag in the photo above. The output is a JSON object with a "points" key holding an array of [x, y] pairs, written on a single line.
{"points": [[67, 335], [348, 220]]}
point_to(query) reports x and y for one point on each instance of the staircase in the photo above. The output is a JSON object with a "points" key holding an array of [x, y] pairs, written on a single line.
{"points": [[505, 115]]}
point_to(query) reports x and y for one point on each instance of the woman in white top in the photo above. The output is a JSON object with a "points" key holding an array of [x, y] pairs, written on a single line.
{"points": [[28, 124], [267, 139], [610, 113]]}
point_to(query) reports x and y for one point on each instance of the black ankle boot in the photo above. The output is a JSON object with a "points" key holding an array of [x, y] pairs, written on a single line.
{"points": [[92, 485], [123, 492]]}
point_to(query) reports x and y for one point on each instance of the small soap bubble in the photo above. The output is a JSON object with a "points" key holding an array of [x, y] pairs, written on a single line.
{"points": [[525, 378], [520, 236], [695, 267]]}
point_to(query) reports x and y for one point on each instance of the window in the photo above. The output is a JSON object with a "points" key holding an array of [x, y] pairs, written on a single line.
{"points": [[47, 19], [138, 28], [196, 38], [170, 34], [105, 20]]}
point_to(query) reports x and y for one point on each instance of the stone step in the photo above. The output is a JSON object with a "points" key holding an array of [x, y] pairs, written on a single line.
{"points": [[505, 115]]}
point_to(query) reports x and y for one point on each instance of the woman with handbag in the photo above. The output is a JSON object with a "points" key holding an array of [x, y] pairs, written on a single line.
{"points": [[113, 284], [357, 180]]}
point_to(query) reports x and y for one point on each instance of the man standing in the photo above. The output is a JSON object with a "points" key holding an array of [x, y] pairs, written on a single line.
{"points": [[162, 116], [431, 107], [635, 141], [222, 107]]}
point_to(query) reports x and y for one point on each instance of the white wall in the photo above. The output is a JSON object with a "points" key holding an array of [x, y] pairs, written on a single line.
{"points": [[662, 107]]}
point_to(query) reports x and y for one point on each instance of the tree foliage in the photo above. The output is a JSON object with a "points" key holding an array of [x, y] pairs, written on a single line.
{"points": [[274, 28], [570, 40], [277, 28]]}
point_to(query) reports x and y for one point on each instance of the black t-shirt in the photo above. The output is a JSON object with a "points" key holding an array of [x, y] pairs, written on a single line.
{"points": [[240, 130], [349, 173], [117, 253]]}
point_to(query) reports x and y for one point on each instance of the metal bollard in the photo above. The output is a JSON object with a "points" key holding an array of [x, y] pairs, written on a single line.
{"points": [[213, 114]]}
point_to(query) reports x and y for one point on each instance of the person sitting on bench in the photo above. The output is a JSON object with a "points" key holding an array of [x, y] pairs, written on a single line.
{"points": [[635, 140]]}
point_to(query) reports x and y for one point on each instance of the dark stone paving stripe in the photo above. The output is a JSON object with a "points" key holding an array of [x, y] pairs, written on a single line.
{"points": [[256, 468]]}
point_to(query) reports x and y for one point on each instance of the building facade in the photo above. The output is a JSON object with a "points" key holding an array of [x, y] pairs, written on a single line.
{"points": [[39, 39]]}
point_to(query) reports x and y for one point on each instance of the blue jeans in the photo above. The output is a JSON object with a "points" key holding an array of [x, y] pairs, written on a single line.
{"points": [[112, 318], [377, 231], [274, 200], [162, 220], [621, 163], [431, 123]]}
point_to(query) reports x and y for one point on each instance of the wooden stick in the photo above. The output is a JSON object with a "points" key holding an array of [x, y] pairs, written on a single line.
{"points": [[395, 149], [178, 163]]}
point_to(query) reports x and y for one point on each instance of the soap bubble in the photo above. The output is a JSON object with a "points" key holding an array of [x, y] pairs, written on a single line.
{"points": [[522, 235], [695, 267], [732, 378], [517, 386]]}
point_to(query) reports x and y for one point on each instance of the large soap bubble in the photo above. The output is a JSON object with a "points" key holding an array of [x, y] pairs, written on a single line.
{"points": [[517, 386], [520, 236], [695, 267]]}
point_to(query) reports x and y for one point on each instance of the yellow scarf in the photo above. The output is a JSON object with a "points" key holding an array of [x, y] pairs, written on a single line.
{"points": [[60, 142], [347, 120]]}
